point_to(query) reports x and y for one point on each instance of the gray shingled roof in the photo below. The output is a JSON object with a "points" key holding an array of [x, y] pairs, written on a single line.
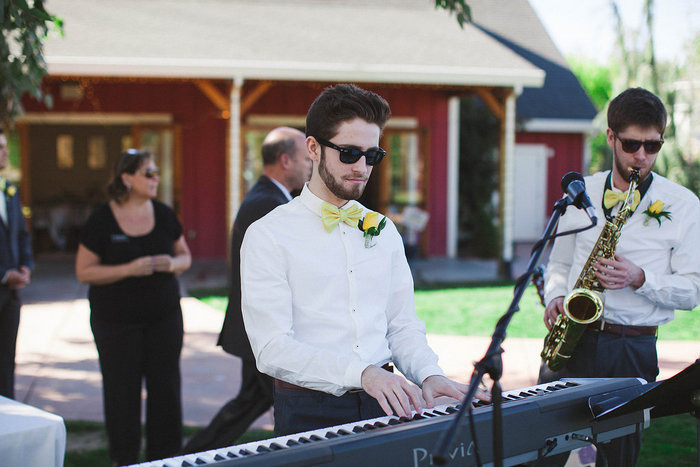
{"points": [[515, 24], [406, 41]]}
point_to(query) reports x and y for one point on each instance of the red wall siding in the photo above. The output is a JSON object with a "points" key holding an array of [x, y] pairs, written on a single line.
{"points": [[204, 142], [568, 156], [203, 147]]}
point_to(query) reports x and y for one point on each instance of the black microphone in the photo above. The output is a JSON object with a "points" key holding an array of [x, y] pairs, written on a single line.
{"points": [[573, 185]]}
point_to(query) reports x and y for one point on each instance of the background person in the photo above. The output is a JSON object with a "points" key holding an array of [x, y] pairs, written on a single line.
{"points": [[130, 250], [16, 265], [326, 311], [656, 268], [286, 167]]}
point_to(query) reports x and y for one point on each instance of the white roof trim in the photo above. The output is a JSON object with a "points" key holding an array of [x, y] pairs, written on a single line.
{"points": [[306, 71], [558, 125]]}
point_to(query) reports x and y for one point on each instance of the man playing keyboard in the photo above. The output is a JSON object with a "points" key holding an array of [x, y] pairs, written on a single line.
{"points": [[327, 305]]}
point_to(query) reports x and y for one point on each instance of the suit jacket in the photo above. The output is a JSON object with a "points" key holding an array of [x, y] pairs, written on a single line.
{"points": [[261, 199], [15, 243]]}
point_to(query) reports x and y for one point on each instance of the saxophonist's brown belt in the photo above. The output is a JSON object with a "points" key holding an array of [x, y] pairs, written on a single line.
{"points": [[279, 384], [622, 330]]}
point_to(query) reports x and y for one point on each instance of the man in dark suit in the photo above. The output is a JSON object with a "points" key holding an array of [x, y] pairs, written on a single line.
{"points": [[15, 272], [286, 167]]}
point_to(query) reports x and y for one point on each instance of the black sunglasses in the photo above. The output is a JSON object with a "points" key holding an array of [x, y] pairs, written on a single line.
{"points": [[351, 155], [630, 146], [151, 173]]}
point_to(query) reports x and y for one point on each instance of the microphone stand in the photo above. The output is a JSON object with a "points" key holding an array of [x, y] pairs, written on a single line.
{"points": [[491, 363]]}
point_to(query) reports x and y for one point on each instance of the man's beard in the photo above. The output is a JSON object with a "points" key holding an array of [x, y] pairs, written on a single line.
{"points": [[335, 186], [624, 172]]}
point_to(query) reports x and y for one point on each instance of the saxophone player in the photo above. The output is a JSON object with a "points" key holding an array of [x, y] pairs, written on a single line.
{"points": [[656, 266]]}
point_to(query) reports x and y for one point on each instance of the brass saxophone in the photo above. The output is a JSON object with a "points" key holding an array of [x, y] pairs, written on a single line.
{"points": [[584, 304]]}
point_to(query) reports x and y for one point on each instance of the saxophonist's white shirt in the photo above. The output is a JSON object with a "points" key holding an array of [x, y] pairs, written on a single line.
{"points": [[669, 254]]}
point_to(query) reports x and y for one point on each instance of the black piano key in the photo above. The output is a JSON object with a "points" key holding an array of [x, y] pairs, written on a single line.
{"points": [[404, 419], [379, 424], [231, 454], [186, 464], [291, 442], [245, 452], [304, 440], [368, 427], [219, 457], [200, 461], [275, 447], [451, 410], [358, 429], [439, 413], [262, 448], [394, 421], [331, 435], [344, 432], [315, 438], [418, 416]]}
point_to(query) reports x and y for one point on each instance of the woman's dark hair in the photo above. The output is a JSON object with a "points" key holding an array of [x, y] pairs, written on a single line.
{"points": [[341, 103], [636, 106], [128, 162]]}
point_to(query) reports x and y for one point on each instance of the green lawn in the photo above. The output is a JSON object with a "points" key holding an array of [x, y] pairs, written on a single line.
{"points": [[474, 312]]}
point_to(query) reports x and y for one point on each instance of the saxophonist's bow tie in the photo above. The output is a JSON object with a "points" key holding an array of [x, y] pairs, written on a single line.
{"points": [[611, 198], [331, 216]]}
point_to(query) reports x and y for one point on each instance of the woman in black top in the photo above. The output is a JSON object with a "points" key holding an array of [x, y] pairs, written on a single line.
{"points": [[130, 251]]}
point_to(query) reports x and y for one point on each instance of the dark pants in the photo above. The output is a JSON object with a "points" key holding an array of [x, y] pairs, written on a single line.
{"points": [[605, 355], [234, 418], [130, 353], [9, 324], [297, 411]]}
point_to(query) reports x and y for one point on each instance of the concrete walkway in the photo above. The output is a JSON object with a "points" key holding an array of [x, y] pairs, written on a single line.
{"points": [[58, 371]]}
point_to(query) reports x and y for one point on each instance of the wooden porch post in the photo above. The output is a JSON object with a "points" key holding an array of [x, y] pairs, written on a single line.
{"points": [[452, 176], [234, 153]]}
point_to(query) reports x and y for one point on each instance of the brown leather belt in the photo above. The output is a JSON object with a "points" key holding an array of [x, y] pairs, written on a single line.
{"points": [[279, 384], [622, 330]]}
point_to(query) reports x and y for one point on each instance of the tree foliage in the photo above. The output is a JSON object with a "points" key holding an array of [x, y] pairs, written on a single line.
{"points": [[24, 27], [633, 64], [457, 7]]}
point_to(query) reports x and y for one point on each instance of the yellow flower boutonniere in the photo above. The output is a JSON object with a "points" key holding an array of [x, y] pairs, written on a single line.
{"points": [[10, 190], [371, 227], [656, 211]]}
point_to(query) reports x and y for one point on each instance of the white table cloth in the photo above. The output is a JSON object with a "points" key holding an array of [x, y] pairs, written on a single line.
{"points": [[30, 436]]}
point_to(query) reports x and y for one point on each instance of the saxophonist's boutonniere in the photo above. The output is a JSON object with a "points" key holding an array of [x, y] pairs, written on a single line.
{"points": [[10, 190], [656, 211], [371, 227]]}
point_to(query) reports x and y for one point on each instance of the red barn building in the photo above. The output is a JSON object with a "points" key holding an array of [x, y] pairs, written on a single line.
{"points": [[200, 83]]}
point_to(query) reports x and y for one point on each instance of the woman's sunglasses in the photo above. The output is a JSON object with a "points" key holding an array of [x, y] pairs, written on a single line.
{"points": [[630, 146], [351, 155], [151, 173]]}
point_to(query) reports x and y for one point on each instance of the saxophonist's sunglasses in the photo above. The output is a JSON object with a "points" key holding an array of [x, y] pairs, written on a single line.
{"points": [[352, 155], [630, 146]]}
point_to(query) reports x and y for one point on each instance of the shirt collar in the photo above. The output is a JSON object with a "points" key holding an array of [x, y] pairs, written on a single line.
{"points": [[282, 188], [313, 202]]}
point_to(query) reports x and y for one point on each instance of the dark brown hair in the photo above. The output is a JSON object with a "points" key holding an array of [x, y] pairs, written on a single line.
{"points": [[127, 162], [341, 103], [636, 106]]}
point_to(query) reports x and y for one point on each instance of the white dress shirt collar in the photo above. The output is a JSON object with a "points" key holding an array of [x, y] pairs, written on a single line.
{"points": [[282, 188]]}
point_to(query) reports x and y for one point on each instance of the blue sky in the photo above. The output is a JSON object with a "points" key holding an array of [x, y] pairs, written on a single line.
{"points": [[586, 27]]}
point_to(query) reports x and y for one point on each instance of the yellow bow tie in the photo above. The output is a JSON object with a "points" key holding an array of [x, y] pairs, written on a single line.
{"points": [[611, 198], [332, 216]]}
